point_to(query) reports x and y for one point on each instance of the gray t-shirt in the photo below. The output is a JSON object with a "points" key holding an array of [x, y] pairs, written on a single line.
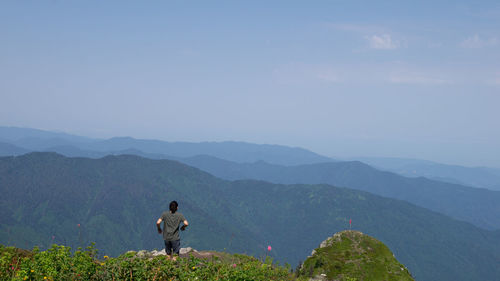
{"points": [[171, 225]]}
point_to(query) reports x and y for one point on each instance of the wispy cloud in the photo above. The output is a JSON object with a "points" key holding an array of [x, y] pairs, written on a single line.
{"points": [[396, 73], [476, 42], [300, 73], [378, 37], [434, 45], [496, 80], [382, 42], [328, 75], [416, 78], [358, 28]]}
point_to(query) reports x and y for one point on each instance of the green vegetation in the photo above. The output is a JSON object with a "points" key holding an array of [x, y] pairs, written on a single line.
{"points": [[351, 255], [58, 263]]}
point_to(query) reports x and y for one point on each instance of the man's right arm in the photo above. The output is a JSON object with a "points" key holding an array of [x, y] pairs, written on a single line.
{"points": [[158, 225]]}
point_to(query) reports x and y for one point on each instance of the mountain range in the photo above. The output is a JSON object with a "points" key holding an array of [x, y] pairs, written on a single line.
{"points": [[116, 200], [38, 140], [477, 206], [483, 177]]}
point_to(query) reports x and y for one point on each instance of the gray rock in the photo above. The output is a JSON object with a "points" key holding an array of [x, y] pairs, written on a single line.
{"points": [[321, 277], [156, 253], [141, 254], [184, 251]]}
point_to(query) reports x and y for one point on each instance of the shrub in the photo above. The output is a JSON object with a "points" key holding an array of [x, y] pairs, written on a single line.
{"points": [[58, 263]]}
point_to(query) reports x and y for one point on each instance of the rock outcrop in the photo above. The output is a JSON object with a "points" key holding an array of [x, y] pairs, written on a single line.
{"points": [[183, 252]]}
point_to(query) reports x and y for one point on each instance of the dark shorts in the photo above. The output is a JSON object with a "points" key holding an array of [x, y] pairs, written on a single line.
{"points": [[172, 245]]}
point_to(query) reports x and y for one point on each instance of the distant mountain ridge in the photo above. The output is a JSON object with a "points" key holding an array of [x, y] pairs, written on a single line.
{"points": [[471, 176], [7, 149], [115, 201], [37, 140], [234, 151], [240, 152], [16, 134], [477, 206]]}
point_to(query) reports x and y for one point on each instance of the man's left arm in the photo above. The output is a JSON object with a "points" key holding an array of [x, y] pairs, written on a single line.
{"points": [[185, 222]]}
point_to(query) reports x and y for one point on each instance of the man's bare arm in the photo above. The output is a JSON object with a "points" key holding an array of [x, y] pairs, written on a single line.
{"points": [[185, 222], [158, 225]]}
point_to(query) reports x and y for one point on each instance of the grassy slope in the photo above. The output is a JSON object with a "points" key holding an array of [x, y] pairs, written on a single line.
{"points": [[351, 254]]}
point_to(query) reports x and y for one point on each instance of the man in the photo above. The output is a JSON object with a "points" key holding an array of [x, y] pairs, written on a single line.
{"points": [[171, 220]]}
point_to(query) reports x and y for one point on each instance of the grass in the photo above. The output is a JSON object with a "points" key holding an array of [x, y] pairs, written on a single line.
{"points": [[348, 256], [351, 255]]}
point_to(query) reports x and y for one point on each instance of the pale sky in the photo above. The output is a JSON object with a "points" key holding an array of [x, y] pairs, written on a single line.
{"points": [[418, 79]]}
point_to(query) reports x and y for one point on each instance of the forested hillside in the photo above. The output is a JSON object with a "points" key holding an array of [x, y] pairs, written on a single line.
{"points": [[475, 205]]}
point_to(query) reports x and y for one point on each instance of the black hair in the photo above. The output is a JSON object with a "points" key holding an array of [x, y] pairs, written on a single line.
{"points": [[173, 206]]}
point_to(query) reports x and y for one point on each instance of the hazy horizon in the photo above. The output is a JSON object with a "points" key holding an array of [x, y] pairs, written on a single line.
{"points": [[340, 78], [346, 158]]}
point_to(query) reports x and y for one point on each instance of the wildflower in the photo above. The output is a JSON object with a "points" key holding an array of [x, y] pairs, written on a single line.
{"points": [[106, 257], [194, 267], [102, 263], [269, 248], [45, 277], [234, 265], [32, 270]]}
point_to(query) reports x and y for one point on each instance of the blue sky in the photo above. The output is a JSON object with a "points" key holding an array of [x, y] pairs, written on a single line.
{"points": [[417, 79]]}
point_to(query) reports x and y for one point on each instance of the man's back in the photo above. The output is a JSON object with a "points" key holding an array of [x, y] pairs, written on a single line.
{"points": [[171, 223]]}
